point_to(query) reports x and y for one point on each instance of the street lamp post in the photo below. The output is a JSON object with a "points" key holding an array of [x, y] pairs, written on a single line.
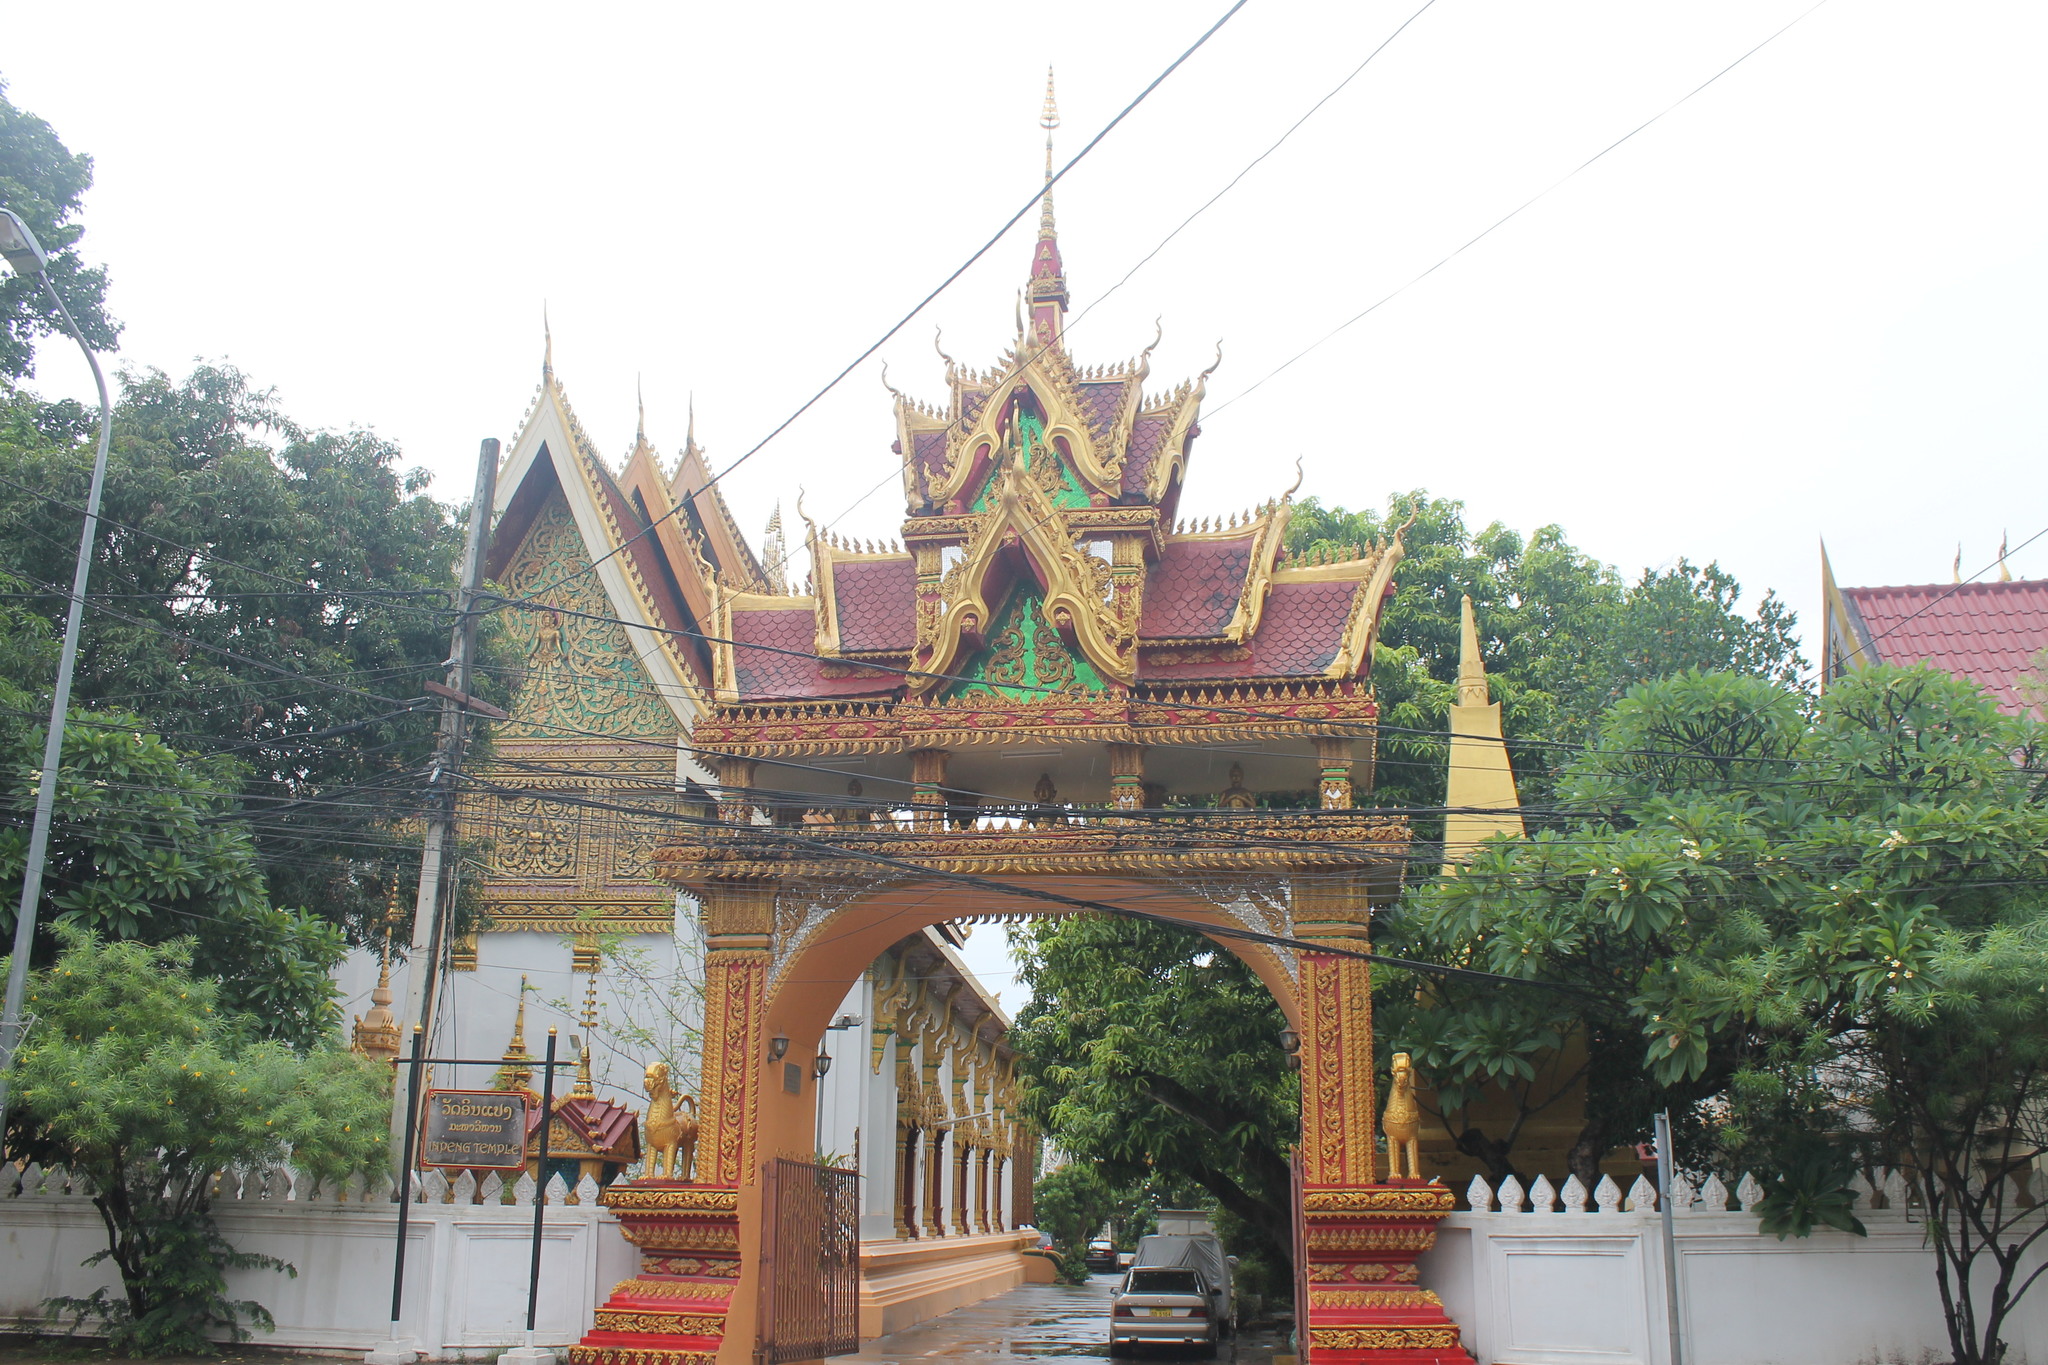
{"points": [[25, 255]]}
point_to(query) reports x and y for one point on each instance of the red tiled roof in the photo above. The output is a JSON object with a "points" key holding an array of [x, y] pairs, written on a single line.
{"points": [[971, 403], [1147, 435], [1102, 402], [600, 1123], [1192, 591], [773, 675], [1299, 633], [876, 603], [1989, 633]]}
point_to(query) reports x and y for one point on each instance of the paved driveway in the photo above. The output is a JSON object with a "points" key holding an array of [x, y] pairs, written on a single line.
{"points": [[1037, 1322]]}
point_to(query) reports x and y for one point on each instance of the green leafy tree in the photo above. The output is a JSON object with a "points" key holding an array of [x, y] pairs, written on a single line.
{"points": [[1827, 915], [1563, 636], [138, 1077], [145, 845], [45, 183], [1078, 1202], [261, 590], [1147, 1051]]}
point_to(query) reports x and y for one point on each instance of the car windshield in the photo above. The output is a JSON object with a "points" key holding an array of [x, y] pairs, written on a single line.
{"points": [[1164, 1282]]}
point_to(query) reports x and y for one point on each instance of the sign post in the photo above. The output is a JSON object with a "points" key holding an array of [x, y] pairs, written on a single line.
{"points": [[468, 1130]]}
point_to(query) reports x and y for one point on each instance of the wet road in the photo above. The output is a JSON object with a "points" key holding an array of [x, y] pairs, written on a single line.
{"points": [[1040, 1322]]}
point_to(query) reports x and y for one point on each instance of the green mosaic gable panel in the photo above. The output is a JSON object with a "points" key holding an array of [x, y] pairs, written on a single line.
{"points": [[1025, 659], [578, 675]]}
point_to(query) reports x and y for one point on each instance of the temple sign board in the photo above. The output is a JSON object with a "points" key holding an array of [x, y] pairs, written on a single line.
{"points": [[474, 1130]]}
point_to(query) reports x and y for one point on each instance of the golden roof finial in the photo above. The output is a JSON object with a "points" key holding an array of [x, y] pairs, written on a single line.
{"points": [[584, 1087], [2004, 573], [1471, 670], [1048, 119], [640, 396], [517, 1071], [1955, 575], [547, 346], [690, 431]]}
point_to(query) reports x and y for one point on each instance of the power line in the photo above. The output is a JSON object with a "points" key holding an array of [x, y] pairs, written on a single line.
{"points": [[1515, 212], [904, 321]]}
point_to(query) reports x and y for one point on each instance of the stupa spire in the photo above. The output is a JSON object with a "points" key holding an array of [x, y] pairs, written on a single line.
{"points": [[1048, 288], [517, 1071], [585, 1089]]}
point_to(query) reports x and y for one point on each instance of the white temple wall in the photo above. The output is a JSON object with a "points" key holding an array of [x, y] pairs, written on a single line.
{"points": [[1586, 1286], [465, 1270]]}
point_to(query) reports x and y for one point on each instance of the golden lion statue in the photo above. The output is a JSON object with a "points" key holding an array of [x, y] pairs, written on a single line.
{"points": [[671, 1135]]}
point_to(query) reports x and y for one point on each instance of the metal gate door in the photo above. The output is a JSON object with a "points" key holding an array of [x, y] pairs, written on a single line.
{"points": [[810, 1261]]}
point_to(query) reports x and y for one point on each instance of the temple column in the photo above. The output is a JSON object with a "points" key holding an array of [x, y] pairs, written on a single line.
{"points": [[906, 1181], [928, 776], [693, 1298], [1359, 1231], [736, 786], [935, 1183], [1001, 1222], [1127, 776], [1335, 755], [962, 1154], [981, 1189]]}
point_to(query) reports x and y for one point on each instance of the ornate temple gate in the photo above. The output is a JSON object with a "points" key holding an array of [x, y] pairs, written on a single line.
{"points": [[712, 1250], [810, 1261], [1200, 693]]}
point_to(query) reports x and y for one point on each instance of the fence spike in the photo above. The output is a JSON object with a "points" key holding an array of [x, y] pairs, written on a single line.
{"points": [[1478, 1194], [1896, 1193], [1511, 1199], [1642, 1197], [1574, 1194], [522, 1191], [1543, 1195], [462, 1190], [1749, 1192], [1681, 1193], [1714, 1196], [1607, 1194]]}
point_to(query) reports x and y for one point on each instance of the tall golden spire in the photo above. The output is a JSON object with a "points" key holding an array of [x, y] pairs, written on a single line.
{"points": [[547, 347], [377, 1032], [517, 1071], [1046, 295], [1048, 119], [585, 1088], [640, 397], [1479, 789], [1471, 669]]}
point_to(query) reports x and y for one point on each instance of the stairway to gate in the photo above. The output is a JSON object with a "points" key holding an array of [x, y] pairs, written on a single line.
{"points": [[810, 1262]]}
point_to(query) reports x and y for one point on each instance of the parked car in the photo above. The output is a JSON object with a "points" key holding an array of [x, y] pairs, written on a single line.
{"points": [[1195, 1247], [1163, 1306], [1101, 1254]]}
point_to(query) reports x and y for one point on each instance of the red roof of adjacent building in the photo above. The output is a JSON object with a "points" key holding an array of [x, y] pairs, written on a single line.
{"points": [[1990, 633], [877, 601]]}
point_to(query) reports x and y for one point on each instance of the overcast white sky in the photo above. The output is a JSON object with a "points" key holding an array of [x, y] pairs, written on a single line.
{"points": [[1809, 303]]}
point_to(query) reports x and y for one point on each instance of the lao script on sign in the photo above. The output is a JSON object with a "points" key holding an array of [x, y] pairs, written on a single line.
{"points": [[475, 1130]]}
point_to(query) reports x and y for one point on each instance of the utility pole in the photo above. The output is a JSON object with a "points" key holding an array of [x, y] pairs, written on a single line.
{"points": [[430, 909]]}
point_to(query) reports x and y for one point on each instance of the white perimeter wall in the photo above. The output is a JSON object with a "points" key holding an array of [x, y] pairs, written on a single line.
{"points": [[1587, 1288], [465, 1269]]}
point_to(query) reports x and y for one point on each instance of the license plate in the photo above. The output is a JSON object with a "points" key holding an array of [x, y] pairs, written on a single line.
{"points": [[1162, 1312]]}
